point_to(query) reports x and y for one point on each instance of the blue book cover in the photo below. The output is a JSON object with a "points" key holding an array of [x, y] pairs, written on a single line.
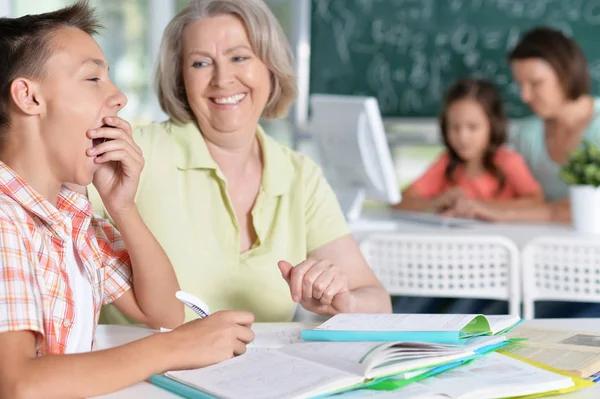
{"points": [[438, 337], [178, 388]]}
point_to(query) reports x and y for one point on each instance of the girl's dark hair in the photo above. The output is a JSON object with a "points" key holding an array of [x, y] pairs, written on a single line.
{"points": [[488, 97]]}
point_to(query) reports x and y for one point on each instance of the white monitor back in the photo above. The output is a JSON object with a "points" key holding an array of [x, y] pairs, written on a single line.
{"points": [[354, 152]]}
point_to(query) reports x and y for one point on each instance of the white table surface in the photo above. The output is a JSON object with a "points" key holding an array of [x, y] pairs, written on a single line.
{"points": [[109, 336], [374, 222]]}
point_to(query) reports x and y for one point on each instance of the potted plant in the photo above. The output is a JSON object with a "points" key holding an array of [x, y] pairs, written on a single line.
{"points": [[582, 173]]}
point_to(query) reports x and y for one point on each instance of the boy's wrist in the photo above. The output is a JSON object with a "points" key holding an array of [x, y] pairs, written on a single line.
{"points": [[169, 345], [124, 216], [161, 348]]}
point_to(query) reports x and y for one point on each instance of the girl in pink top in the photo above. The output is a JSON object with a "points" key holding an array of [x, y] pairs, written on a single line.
{"points": [[476, 174]]}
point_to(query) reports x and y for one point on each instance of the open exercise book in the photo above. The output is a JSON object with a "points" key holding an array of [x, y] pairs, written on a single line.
{"points": [[490, 377], [438, 328], [304, 370]]}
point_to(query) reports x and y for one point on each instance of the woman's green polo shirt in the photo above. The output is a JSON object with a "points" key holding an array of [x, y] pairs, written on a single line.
{"points": [[182, 197]]}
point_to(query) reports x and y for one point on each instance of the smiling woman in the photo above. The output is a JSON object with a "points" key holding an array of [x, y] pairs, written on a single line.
{"points": [[228, 85], [233, 209]]}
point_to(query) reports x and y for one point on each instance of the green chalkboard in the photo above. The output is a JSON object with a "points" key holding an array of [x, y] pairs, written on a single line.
{"points": [[406, 52]]}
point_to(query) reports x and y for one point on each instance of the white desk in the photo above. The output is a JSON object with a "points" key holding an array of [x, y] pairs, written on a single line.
{"points": [[108, 336], [520, 233]]}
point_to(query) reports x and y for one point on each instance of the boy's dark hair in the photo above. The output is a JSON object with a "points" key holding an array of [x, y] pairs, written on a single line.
{"points": [[25, 46], [562, 53], [488, 97]]}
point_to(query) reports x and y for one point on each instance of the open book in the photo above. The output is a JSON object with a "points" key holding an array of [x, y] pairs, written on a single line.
{"points": [[576, 352], [305, 370], [438, 328], [491, 377]]}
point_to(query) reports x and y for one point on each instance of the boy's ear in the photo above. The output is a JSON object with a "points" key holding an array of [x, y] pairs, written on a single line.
{"points": [[25, 94]]}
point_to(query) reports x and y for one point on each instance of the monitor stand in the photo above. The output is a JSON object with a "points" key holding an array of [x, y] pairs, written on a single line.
{"points": [[351, 200]]}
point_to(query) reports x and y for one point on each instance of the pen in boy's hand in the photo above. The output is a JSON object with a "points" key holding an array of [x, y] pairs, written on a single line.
{"points": [[193, 303]]}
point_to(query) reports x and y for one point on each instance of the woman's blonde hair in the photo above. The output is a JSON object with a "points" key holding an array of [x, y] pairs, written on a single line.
{"points": [[266, 38]]}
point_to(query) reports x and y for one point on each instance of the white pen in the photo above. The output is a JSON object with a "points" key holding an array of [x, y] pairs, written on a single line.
{"points": [[193, 303]]}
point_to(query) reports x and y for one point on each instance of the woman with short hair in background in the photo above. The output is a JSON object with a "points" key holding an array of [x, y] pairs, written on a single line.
{"points": [[553, 75]]}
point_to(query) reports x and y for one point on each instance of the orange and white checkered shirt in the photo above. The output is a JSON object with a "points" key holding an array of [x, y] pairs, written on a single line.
{"points": [[34, 284]]}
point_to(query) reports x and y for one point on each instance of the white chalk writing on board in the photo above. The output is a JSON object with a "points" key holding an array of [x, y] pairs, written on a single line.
{"points": [[409, 54]]}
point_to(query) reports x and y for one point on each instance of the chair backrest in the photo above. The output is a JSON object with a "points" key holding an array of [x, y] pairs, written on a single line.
{"points": [[466, 266], [560, 268]]}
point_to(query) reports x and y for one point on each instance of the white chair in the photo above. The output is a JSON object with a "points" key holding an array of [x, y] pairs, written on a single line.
{"points": [[483, 267], [560, 269]]}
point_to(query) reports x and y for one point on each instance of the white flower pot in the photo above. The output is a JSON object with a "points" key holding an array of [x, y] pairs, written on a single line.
{"points": [[585, 209]]}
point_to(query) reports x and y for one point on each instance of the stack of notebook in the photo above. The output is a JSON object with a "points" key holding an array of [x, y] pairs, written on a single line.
{"points": [[349, 352]]}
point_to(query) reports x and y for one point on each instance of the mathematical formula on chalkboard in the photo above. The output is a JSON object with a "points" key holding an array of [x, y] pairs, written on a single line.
{"points": [[406, 52]]}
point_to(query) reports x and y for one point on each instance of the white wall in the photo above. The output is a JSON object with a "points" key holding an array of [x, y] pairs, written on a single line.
{"points": [[5, 8]]}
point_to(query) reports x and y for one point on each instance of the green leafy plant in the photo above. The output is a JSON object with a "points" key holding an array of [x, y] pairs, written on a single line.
{"points": [[583, 166]]}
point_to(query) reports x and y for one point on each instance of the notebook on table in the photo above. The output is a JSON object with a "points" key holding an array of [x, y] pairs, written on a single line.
{"points": [[491, 377], [437, 328], [306, 370]]}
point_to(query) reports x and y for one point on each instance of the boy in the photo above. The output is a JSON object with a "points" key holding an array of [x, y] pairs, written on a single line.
{"points": [[58, 263]]}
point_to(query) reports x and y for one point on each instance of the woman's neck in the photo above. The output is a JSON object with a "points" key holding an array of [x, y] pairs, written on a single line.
{"points": [[235, 158], [574, 114]]}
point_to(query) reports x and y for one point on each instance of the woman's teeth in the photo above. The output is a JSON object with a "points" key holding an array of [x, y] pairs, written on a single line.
{"points": [[229, 100]]}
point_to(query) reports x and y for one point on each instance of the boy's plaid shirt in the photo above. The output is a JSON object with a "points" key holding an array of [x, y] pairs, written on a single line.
{"points": [[34, 284]]}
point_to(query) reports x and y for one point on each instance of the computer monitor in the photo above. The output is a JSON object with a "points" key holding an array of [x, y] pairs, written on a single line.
{"points": [[353, 149]]}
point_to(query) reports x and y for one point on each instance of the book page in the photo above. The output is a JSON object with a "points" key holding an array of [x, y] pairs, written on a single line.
{"points": [[266, 376], [371, 359], [496, 375], [480, 342], [491, 376], [500, 323], [353, 357], [412, 391], [572, 351], [579, 362], [589, 340], [272, 340], [397, 322], [360, 357]]}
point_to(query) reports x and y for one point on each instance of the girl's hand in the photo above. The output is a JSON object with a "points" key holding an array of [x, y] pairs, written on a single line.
{"points": [[319, 286], [462, 208], [447, 199], [471, 209], [121, 163]]}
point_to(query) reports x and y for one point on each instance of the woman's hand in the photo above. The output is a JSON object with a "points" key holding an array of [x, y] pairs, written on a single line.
{"points": [[319, 286], [121, 163]]}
